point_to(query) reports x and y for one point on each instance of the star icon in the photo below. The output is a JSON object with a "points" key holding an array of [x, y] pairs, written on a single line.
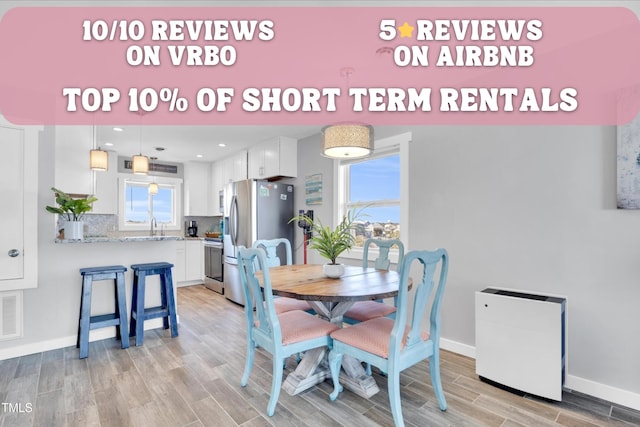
{"points": [[406, 30]]}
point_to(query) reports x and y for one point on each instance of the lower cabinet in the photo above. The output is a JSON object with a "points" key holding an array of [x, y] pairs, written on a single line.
{"points": [[189, 267]]}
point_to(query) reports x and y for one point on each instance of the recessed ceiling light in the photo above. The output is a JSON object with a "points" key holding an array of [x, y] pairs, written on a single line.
{"points": [[118, 129], [222, 144], [199, 156], [108, 144]]}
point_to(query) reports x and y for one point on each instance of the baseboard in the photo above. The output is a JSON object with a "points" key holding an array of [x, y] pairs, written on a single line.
{"points": [[95, 335], [603, 391], [591, 388], [459, 348]]}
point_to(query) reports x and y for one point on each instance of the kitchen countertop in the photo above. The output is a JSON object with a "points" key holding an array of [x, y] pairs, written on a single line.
{"points": [[121, 239]]}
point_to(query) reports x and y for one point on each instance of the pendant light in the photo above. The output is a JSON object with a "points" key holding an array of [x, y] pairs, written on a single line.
{"points": [[153, 188], [98, 158], [140, 163], [347, 140]]}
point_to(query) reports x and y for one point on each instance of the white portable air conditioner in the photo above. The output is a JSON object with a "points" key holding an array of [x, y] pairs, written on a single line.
{"points": [[520, 341]]}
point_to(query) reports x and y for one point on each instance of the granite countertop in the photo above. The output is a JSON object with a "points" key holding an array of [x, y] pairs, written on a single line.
{"points": [[122, 239]]}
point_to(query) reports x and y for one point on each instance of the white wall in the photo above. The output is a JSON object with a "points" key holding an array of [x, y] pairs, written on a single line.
{"points": [[530, 208], [534, 209]]}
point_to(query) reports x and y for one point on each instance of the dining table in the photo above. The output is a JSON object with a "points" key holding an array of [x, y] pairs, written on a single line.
{"points": [[331, 298]]}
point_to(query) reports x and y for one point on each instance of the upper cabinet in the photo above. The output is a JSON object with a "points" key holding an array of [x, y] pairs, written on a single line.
{"points": [[227, 170], [237, 167], [72, 173], [274, 157], [197, 181], [217, 185]]}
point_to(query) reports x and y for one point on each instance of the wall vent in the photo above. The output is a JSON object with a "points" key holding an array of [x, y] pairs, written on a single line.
{"points": [[10, 315]]}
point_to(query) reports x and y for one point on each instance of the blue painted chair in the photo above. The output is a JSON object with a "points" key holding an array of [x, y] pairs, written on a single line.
{"points": [[283, 334], [282, 304], [396, 344], [362, 311]]}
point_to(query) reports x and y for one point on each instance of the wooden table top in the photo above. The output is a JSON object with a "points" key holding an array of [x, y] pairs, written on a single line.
{"points": [[307, 282]]}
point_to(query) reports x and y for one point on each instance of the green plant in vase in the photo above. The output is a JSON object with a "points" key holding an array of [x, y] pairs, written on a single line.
{"points": [[330, 243], [72, 210]]}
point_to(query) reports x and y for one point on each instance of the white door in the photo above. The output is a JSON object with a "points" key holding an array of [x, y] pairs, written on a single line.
{"points": [[12, 212]]}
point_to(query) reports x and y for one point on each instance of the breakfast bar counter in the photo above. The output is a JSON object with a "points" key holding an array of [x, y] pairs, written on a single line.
{"points": [[120, 239]]}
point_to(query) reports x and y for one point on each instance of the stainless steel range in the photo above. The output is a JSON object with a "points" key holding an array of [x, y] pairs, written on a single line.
{"points": [[213, 265]]}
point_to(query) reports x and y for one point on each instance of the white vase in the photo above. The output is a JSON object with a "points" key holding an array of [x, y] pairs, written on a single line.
{"points": [[73, 230], [333, 271]]}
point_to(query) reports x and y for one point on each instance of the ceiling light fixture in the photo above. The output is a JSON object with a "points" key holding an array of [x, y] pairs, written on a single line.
{"points": [[347, 140], [98, 158], [118, 129], [222, 144], [153, 188], [140, 163]]}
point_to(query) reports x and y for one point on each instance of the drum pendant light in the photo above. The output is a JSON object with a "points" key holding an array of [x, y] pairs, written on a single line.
{"points": [[347, 140], [140, 163], [98, 158]]}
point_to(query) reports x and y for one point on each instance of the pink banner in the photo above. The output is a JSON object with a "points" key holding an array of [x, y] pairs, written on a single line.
{"points": [[310, 65]]}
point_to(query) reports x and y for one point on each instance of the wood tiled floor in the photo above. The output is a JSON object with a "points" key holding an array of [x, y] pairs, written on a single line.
{"points": [[193, 380]]}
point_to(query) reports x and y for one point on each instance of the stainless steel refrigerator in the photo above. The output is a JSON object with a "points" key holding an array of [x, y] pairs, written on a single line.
{"points": [[253, 210]]}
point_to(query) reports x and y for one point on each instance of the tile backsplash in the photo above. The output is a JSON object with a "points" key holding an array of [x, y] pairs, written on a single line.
{"points": [[96, 225]]}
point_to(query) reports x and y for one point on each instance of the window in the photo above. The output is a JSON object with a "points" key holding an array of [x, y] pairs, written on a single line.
{"points": [[372, 185], [138, 207]]}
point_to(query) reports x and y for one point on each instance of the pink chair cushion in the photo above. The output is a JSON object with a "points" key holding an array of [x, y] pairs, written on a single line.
{"points": [[367, 310], [284, 304], [371, 336], [299, 326]]}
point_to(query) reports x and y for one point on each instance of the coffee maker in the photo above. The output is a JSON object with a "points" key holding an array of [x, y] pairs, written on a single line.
{"points": [[192, 229]]}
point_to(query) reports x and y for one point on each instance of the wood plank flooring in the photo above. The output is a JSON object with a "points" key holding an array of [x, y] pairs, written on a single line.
{"points": [[193, 380]]}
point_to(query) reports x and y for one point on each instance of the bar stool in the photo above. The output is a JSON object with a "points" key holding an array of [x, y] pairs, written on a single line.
{"points": [[167, 309], [117, 319]]}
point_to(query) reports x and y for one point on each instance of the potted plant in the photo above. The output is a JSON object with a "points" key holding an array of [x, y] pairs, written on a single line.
{"points": [[331, 243], [71, 210]]}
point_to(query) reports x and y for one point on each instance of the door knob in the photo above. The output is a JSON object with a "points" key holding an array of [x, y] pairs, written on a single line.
{"points": [[13, 253]]}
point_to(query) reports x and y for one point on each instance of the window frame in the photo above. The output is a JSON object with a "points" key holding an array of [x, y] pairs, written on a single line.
{"points": [[173, 183], [398, 144]]}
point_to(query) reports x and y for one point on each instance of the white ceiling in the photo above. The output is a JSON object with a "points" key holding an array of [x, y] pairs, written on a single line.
{"points": [[184, 143]]}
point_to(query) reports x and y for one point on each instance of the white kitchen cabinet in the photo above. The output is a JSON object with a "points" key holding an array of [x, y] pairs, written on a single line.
{"points": [[239, 166], [179, 267], [106, 188], [232, 169], [274, 157], [197, 180], [72, 172], [189, 266], [194, 260], [217, 185]]}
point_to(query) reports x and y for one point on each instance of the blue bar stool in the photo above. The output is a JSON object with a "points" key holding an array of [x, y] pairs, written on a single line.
{"points": [[117, 319], [167, 309]]}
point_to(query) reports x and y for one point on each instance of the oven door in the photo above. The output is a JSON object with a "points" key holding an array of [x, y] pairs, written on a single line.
{"points": [[213, 268]]}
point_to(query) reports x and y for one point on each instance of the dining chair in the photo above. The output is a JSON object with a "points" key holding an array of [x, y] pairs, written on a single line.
{"points": [[282, 304], [397, 344], [282, 334], [365, 310]]}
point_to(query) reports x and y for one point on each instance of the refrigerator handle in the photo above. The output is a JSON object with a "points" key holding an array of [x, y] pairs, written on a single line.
{"points": [[233, 220]]}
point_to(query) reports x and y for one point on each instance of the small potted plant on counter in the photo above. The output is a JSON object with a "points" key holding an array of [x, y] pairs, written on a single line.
{"points": [[71, 209], [331, 243]]}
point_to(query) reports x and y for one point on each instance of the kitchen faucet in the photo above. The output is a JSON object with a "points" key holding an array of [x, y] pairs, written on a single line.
{"points": [[154, 224]]}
